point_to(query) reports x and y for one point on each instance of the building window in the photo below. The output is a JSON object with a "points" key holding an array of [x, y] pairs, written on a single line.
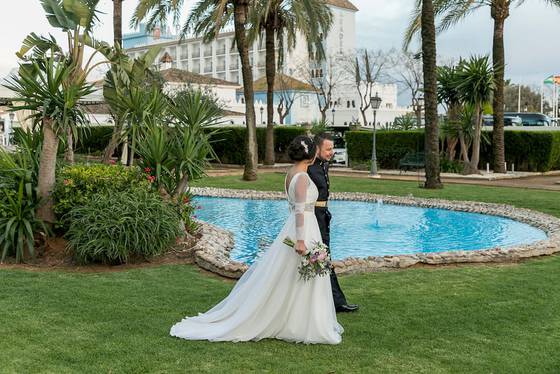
{"points": [[389, 106], [353, 104], [305, 101], [184, 52]]}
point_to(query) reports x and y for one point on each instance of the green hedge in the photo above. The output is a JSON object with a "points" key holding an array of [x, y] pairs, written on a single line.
{"points": [[230, 143], [391, 146], [529, 150]]}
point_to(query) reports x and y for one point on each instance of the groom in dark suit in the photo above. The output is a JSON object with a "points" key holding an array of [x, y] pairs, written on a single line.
{"points": [[319, 174]]}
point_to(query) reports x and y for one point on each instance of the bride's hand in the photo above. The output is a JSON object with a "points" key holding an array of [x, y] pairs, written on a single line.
{"points": [[300, 248]]}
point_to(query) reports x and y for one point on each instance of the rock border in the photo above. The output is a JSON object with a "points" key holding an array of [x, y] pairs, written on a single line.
{"points": [[212, 251]]}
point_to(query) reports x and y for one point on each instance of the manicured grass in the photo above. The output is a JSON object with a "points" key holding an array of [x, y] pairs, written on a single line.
{"points": [[471, 319], [544, 201], [483, 319]]}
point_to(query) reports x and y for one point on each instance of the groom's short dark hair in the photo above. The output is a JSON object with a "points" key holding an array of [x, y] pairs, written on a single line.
{"points": [[321, 137]]}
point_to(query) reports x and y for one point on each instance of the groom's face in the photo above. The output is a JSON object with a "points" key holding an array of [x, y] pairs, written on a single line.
{"points": [[326, 150]]}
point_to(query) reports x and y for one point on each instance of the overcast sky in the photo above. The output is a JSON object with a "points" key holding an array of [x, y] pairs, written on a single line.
{"points": [[532, 33]]}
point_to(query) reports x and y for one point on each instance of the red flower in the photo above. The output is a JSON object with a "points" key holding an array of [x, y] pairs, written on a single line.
{"points": [[186, 200], [66, 182], [151, 178], [147, 170], [112, 162]]}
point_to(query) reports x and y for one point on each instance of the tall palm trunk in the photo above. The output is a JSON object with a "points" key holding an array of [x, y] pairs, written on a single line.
{"points": [[499, 12], [240, 10], [430, 95], [47, 169], [117, 38], [117, 22], [69, 152], [270, 75]]}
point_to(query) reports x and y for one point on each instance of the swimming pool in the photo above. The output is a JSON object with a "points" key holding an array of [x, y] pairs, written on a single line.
{"points": [[362, 229]]}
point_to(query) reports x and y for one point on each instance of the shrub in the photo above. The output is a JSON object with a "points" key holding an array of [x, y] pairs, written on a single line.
{"points": [[230, 143], [454, 166], [115, 227], [528, 150], [77, 184], [391, 146], [18, 200]]}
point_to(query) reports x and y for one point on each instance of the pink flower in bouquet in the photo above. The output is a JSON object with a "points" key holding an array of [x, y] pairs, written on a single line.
{"points": [[322, 256]]}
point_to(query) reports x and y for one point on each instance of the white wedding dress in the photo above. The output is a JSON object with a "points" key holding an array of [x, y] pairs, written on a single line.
{"points": [[270, 300]]}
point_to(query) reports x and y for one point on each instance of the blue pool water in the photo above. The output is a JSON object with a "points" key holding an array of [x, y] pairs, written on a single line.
{"points": [[362, 229]]}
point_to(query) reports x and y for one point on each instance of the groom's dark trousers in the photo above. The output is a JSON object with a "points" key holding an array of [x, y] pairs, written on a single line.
{"points": [[318, 172]]}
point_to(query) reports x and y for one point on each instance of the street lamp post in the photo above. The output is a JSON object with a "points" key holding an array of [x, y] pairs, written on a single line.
{"points": [[262, 110], [375, 102], [333, 111]]}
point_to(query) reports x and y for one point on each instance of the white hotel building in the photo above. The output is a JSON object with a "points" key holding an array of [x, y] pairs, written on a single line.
{"points": [[220, 59]]}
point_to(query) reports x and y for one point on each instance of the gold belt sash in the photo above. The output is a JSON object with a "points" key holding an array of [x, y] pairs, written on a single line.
{"points": [[321, 204]]}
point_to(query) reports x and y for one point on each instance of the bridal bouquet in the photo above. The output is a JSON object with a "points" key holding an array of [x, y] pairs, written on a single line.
{"points": [[316, 261]]}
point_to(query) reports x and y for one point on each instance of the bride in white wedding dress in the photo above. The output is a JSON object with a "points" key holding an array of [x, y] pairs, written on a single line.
{"points": [[270, 300]]}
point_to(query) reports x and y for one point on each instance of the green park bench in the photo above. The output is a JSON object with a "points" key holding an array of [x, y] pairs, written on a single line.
{"points": [[412, 160]]}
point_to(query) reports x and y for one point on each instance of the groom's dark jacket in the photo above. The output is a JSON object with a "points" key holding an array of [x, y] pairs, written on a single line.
{"points": [[319, 174]]}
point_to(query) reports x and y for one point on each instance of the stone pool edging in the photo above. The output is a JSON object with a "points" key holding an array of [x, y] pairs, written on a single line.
{"points": [[212, 250]]}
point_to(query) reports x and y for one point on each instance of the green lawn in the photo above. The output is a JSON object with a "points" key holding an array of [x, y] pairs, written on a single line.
{"points": [[501, 319]]}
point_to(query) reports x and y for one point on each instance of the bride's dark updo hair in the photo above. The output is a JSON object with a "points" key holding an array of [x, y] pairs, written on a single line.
{"points": [[302, 148]]}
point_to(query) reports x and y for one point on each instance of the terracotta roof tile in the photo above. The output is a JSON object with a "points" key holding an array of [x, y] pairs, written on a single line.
{"points": [[346, 4], [282, 82], [183, 76]]}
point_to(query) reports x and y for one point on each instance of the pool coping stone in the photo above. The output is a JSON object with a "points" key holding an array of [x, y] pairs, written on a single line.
{"points": [[212, 251]]}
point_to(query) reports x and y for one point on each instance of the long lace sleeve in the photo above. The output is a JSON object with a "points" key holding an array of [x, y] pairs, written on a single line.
{"points": [[300, 194]]}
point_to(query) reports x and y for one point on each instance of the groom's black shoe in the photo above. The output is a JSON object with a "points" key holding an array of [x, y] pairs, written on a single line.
{"points": [[346, 308]]}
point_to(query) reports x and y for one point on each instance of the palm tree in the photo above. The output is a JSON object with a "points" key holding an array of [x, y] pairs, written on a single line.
{"points": [[125, 76], [448, 95], [282, 20], [44, 87], [452, 12], [76, 18], [475, 86], [51, 81], [425, 22], [221, 11], [117, 22], [117, 44]]}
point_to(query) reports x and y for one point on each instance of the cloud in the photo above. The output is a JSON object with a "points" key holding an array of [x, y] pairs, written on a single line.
{"points": [[531, 33]]}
